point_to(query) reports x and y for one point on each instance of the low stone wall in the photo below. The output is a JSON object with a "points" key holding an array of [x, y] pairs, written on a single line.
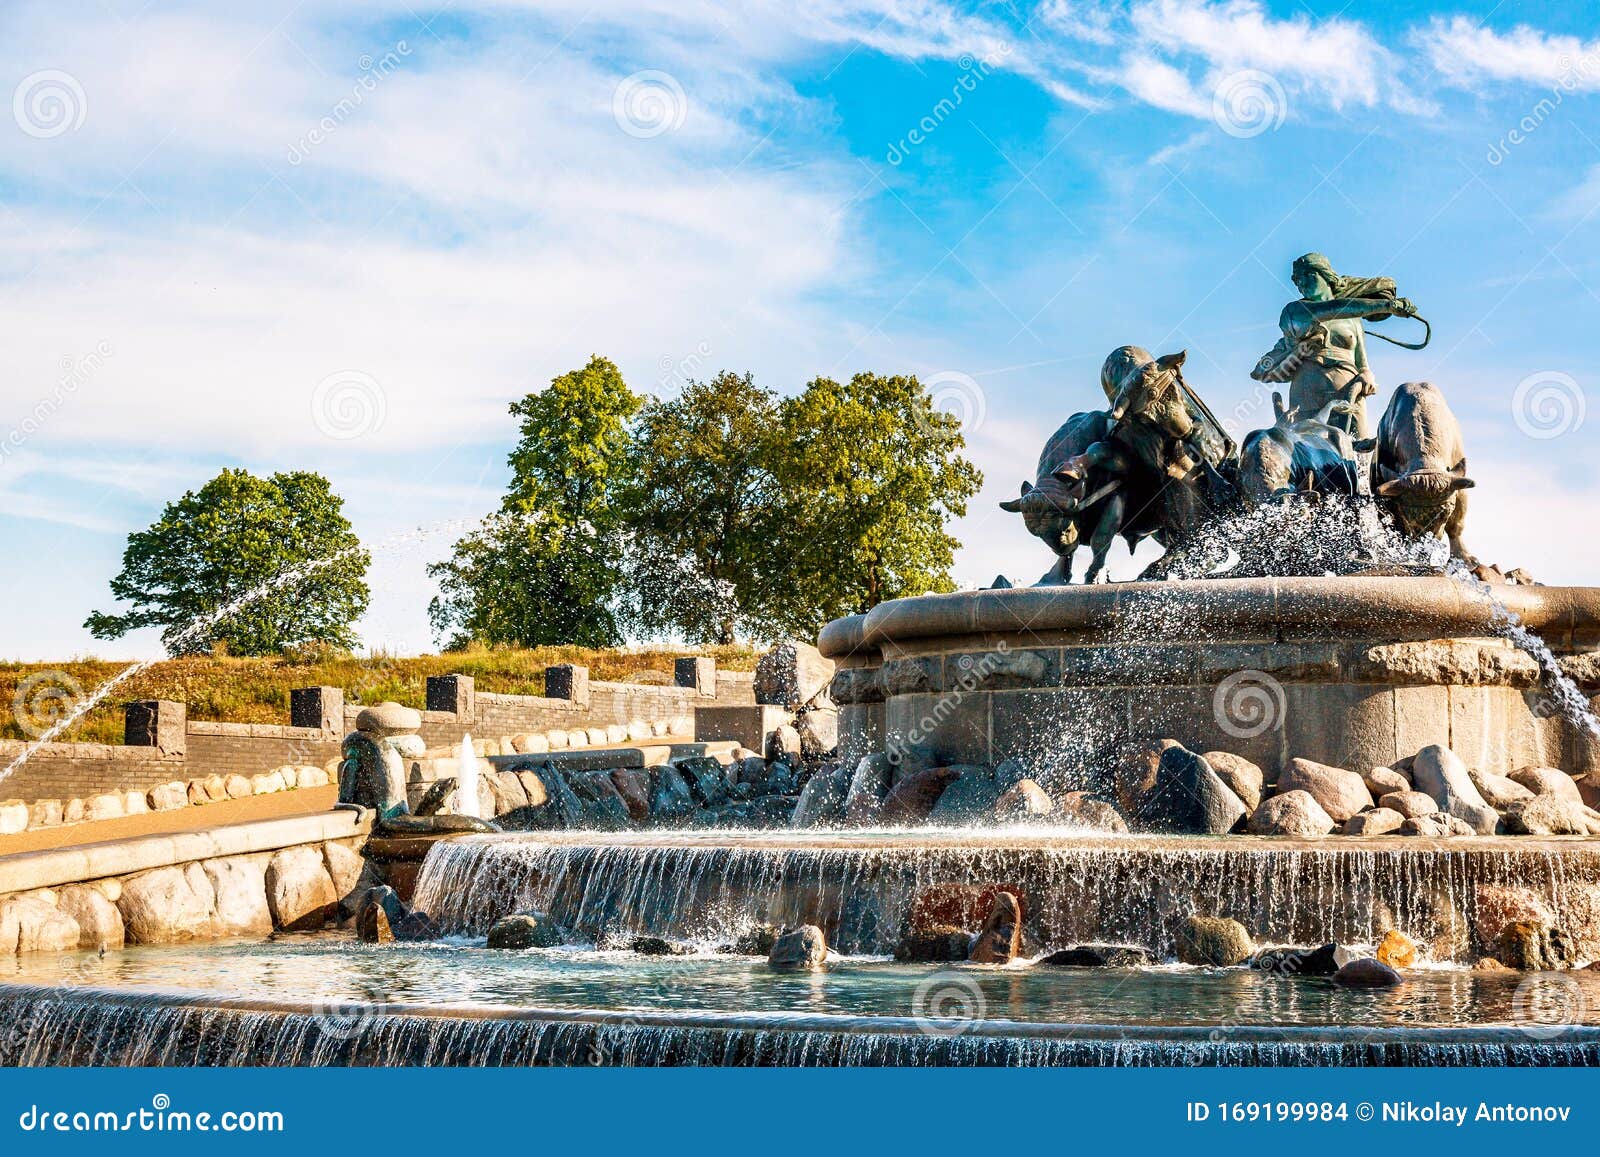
{"points": [[241, 880], [163, 744]]}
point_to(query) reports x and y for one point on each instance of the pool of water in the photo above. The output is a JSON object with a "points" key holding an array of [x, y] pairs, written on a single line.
{"points": [[329, 969]]}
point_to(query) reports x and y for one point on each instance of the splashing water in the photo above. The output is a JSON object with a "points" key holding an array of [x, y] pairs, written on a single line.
{"points": [[211, 618], [466, 801]]}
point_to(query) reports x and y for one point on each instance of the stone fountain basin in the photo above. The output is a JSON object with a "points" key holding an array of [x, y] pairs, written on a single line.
{"points": [[1356, 672]]}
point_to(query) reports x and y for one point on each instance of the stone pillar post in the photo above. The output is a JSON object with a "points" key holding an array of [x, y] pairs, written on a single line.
{"points": [[568, 681], [453, 693], [159, 723], [697, 672], [319, 707]]}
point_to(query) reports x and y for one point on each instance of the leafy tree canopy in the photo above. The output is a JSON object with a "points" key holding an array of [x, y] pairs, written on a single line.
{"points": [[255, 564]]}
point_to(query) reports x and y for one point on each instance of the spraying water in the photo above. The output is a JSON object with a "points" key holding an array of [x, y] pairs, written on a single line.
{"points": [[466, 801]]}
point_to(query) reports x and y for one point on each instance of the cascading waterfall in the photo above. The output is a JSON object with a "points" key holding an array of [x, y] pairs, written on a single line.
{"points": [[87, 1027], [1129, 890]]}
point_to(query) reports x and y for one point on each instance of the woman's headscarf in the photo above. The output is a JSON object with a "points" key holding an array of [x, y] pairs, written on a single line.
{"points": [[1382, 288]]}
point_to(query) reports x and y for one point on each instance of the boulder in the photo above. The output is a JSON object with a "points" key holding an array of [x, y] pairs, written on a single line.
{"points": [[99, 922], [798, 949], [756, 940], [530, 743], [633, 787], [1023, 800], [1543, 780], [1409, 803], [602, 806], [1439, 772], [1295, 813], [267, 783], [1548, 814], [239, 888], [389, 718], [791, 674], [1500, 791], [1081, 809], [1533, 946], [508, 790], [1214, 940], [379, 912], [659, 946], [910, 801], [352, 875], [822, 800], [1185, 796], [1244, 778], [783, 743], [110, 805], [300, 892], [670, 799], [135, 803], [938, 945], [1367, 972], [557, 739], [1135, 773], [999, 941], [819, 732], [1380, 821], [1325, 960], [868, 786], [1341, 793], [1396, 949], [1100, 956], [44, 813], [13, 817], [1495, 907], [30, 924], [526, 930], [1437, 826], [1381, 781], [167, 906], [968, 799], [238, 786], [707, 780]]}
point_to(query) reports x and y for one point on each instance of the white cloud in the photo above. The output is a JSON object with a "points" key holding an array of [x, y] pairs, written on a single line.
{"points": [[1466, 54]]}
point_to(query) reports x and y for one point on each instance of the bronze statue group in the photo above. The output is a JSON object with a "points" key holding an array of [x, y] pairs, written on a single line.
{"points": [[1156, 463]]}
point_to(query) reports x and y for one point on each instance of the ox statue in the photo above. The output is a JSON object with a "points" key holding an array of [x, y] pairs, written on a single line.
{"points": [[1419, 467]]}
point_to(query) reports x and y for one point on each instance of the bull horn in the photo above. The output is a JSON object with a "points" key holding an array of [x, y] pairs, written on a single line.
{"points": [[1172, 361], [1393, 488], [1014, 505], [1459, 483]]}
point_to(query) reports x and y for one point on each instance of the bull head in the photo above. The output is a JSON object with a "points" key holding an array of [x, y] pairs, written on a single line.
{"points": [[1422, 485]]}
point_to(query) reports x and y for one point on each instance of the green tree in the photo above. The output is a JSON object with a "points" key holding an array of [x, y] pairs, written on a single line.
{"points": [[870, 474], [703, 509], [255, 564], [549, 567]]}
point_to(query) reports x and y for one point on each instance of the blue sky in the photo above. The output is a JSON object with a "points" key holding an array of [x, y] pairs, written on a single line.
{"points": [[345, 235]]}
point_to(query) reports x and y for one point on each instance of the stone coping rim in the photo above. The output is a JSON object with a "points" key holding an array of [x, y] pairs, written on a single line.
{"points": [[1436, 606]]}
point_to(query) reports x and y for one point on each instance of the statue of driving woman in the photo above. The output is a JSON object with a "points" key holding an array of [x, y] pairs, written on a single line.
{"points": [[1323, 351]]}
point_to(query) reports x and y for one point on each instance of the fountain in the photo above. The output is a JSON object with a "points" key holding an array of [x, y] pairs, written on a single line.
{"points": [[1314, 790]]}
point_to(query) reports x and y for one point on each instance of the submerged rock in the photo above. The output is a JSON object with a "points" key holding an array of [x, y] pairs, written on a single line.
{"points": [[999, 941], [1214, 940], [756, 940], [798, 949], [1367, 972], [1533, 946], [1396, 949], [1321, 961], [659, 946], [1100, 956], [526, 930], [1294, 813]]}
